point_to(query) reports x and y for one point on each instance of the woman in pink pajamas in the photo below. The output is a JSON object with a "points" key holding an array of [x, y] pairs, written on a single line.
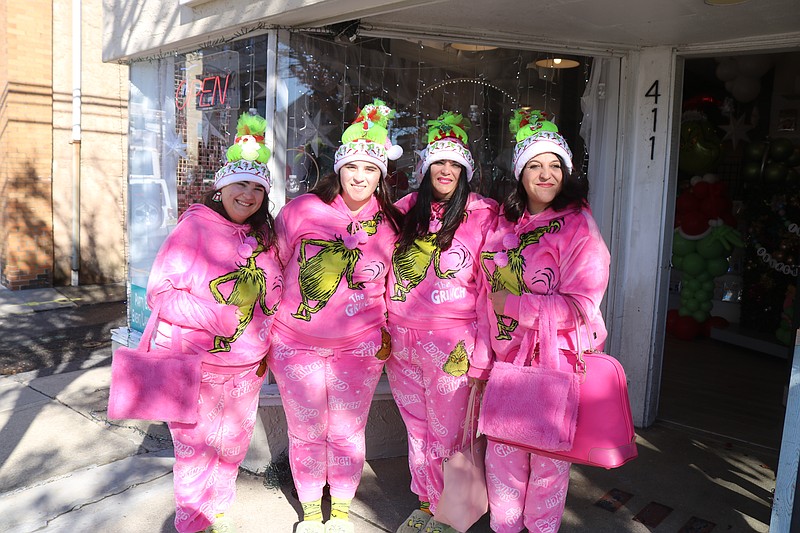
{"points": [[217, 276], [433, 320], [329, 339], [545, 250]]}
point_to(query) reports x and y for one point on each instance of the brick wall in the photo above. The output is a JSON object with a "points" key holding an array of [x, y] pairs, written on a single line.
{"points": [[37, 153], [26, 151]]}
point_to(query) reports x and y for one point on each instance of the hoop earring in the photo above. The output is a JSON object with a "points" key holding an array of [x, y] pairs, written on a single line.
{"points": [[217, 197]]}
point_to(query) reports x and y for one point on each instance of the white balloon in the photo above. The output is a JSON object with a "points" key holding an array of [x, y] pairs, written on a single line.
{"points": [[753, 66], [727, 70], [746, 89]]}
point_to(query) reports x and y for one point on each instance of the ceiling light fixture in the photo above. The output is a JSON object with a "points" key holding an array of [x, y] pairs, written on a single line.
{"points": [[465, 47], [555, 62]]}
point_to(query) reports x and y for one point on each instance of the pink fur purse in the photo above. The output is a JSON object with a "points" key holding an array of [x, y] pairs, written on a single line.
{"points": [[532, 406], [155, 384]]}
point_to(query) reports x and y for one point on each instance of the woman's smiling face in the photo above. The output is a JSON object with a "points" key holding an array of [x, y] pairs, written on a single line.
{"points": [[242, 199], [542, 178], [359, 179], [444, 178]]}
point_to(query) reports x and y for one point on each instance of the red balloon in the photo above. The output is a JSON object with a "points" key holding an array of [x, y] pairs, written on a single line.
{"points": [[714, 322], [719, 188], [701, 189], [687, 202], [672, 320], [687, 328], [694, 223], [716, 206]]}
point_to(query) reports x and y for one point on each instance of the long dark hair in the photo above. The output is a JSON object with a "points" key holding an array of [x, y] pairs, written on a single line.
{"points": [[330, 186], [260, 222], [574, 193], [418, 217]]}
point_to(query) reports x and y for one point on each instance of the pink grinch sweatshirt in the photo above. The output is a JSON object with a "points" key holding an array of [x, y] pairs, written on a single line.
{"points": [[206, 270], [542, 259], [433, 289], [335, 265]]}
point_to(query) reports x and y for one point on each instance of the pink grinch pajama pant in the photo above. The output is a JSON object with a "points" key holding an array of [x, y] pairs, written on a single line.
{"points": [[208, 453], [431, 400], [326, 395], [525, 490]]}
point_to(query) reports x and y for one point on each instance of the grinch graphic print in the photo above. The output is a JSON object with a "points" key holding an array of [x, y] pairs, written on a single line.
{"points": [[508, 269], [325, 263]]}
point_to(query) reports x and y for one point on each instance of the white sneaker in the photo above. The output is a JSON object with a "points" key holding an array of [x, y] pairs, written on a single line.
{"points": [[339, 525], [308, 526]]}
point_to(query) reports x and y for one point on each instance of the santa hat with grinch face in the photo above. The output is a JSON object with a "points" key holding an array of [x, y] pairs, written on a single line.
{"points": [[447, 140], [367, 139], [248, 156], [536, 136]]}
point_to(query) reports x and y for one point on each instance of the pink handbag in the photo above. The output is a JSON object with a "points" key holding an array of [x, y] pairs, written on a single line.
{"points": [[464, 499], [155, 384], [549, 418], [604, 435]]}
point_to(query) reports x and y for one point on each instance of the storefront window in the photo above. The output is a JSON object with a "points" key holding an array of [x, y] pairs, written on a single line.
{"points": [[327, 81], [184, 108], [183, 113]]}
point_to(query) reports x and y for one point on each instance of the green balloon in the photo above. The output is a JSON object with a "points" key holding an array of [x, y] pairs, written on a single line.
{"points": [[692, 305], [781, 149], [706, 306], [682, 311], [699, 148], [692, 284], [704, 276], [681, 245], [709, 247], [703, 295], [755, 151], [794, 159], [700, 316], [751, 171], [775, 172], [694, 264], [708, 285], [717, 267]]}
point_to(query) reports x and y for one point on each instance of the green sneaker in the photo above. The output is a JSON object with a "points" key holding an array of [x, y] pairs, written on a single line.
{"points": [[415, 522]]}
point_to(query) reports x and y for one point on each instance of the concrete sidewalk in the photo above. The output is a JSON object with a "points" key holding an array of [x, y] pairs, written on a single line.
{"points": [[65, 467], [34, 300]]}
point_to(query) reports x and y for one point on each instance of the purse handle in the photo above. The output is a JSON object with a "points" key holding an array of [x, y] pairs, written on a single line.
{"points": [[470, 419], [579, 315], [150, 329], [547, 341]]}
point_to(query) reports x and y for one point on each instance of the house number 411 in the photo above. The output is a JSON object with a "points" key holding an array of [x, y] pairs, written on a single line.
{"points": [[653, 93]]}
